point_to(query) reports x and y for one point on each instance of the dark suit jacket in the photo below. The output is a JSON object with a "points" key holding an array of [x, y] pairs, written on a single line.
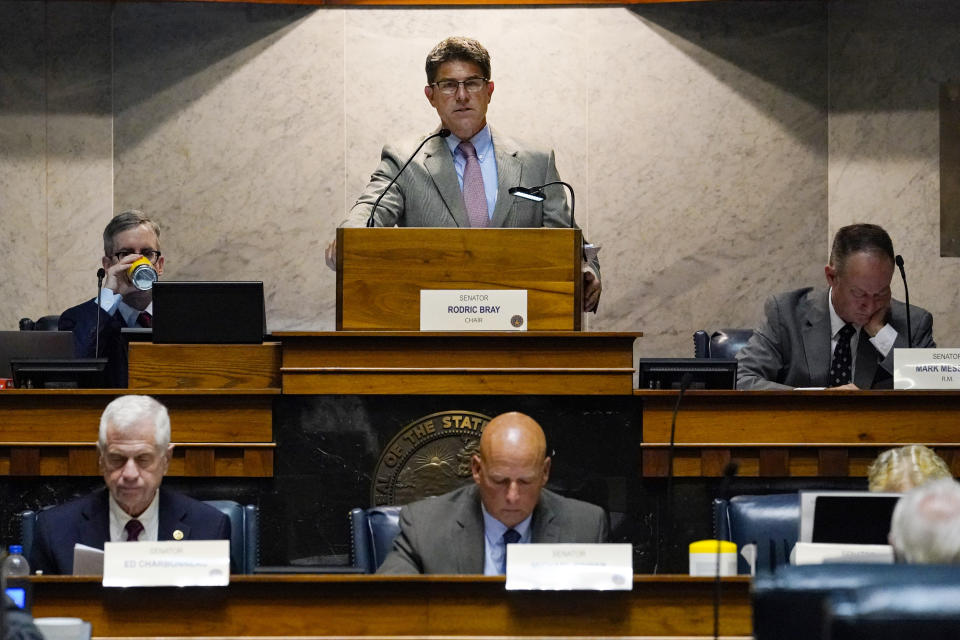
{"points": [[444, 534], [82, 321], [427, 194], [791, 347], [87, 521]]}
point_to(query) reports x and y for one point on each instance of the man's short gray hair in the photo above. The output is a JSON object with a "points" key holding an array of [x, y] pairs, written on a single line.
{"points": [[127, 411], [130, 219], [925, 528]]}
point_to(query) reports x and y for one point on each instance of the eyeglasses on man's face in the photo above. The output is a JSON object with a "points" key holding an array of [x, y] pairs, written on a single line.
{"points": [[450, 87], [149, 254]]}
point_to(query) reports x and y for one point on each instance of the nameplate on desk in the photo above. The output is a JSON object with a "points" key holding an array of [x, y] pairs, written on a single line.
{"points": [[926, 368], [564, 567], [173, 563], [473, 310]]}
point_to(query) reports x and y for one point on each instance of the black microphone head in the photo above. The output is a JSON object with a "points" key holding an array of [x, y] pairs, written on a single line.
{"points": [[899, 260], [685, 380], [444, 133], [101, 273], [731, 469]]}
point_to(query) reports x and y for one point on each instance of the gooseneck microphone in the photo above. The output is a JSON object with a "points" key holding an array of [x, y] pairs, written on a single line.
{"points": [[729, 471], [685, 382], [100, 275], [443, 133], [537, 195], [906, 296]]}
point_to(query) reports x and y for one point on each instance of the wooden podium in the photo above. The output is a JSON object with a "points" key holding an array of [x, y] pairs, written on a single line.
{"points": [[382, 270]]}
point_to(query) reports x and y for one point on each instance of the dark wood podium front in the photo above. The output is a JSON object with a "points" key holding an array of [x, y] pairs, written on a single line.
{"points": [[401, 606]]}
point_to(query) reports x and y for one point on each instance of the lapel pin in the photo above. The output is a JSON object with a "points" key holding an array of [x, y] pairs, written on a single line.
{"points": [[178, 535]]}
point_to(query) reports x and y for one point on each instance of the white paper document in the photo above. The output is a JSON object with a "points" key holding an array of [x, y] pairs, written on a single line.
{"points": [[87, 561]]}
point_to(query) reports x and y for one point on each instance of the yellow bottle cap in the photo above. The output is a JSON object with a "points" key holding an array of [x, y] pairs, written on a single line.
{"points": [[710, 546]]}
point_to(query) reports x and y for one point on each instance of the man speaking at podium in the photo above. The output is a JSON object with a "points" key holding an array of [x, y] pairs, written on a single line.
{"points": [[842, 337], [467, 530], [462, 175]]}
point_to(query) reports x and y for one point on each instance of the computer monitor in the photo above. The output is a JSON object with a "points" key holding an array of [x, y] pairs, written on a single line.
{"points": [[33, 344], [208, 313], [846, 517], [706, 373]]}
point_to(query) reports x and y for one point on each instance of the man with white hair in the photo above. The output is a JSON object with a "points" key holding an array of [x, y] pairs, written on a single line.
{"points": [[134, 449], [925, 528]]}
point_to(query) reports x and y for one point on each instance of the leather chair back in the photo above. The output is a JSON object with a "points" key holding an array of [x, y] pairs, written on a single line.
{"points": [[46, 323], [771, 521], [789, 604], [722, 344], [895, 611], [371, 535], [244, 533]]}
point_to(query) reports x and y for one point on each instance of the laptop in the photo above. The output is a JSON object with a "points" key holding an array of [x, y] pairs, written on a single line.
{"points": [[846, 517], [208, 312], [46, 345]]}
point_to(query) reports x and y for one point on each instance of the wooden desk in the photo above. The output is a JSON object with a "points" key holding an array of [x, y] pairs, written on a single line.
{"points": [[53, 432], [794, 433], [409, 606], [441, 363]]}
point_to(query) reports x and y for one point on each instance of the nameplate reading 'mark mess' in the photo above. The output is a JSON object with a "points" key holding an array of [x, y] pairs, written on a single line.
{"points": [[926, 368], [563, 567], [173, 563], [473, 310]]}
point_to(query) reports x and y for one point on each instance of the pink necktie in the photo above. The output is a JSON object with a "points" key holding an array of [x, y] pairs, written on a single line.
{"points": [[474, 195]]}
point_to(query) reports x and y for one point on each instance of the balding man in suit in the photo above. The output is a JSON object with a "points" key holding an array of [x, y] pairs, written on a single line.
{"points": [[467, 530], [842, 337], [463, 180]]}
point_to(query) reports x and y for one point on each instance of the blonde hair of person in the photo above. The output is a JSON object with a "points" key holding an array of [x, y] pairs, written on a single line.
{"points": [[899, 470]]}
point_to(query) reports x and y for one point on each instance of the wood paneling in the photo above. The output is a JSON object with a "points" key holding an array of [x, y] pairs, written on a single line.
{"points": [[793, 434], [204, 366], [457, 363], [382, 271], [402, 606], [54, 432]]}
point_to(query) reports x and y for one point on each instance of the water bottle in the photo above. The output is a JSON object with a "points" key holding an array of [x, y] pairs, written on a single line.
{"points": [[15, 565]]}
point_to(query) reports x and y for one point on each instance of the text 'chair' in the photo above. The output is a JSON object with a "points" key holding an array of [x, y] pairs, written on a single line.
{"points": [[244, 533], [771, 522], [371, 535]]}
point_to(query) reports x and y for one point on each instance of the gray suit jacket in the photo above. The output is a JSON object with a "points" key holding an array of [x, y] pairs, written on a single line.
{"points": [[791, 347], [444, 534], [427, 194]]}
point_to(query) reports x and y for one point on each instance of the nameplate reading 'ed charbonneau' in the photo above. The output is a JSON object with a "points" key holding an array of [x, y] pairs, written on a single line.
{"points": [[172, 563], [473, 310], [926, 368], [561, 567]]}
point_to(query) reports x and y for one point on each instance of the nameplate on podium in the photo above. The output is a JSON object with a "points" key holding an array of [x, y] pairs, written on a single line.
{"points": [[563, 567], [926, 368], [171, 563], [473, 310]]}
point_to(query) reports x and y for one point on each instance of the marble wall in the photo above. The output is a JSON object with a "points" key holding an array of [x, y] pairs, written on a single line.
{"points": [[714, 146]]}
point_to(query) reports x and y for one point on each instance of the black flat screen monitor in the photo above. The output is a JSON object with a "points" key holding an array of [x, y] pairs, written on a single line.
{"points": [[853, 519], [33, 344], [706, 373], [59, 373], [208, 313]]}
